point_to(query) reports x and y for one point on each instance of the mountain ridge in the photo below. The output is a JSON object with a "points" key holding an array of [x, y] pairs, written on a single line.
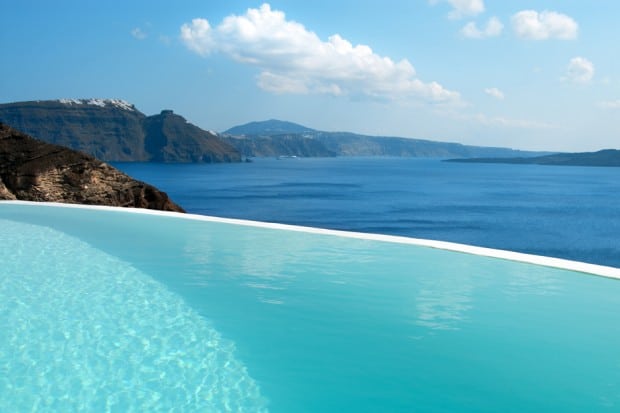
{"points": [[268, 127], [113, 130], [258, 139]]}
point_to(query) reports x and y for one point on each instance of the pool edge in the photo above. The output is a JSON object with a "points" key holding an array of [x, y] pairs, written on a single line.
{"points": [[559, 263]]}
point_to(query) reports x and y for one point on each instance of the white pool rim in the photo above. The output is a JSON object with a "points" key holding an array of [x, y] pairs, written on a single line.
{"points": [[593, 269]]}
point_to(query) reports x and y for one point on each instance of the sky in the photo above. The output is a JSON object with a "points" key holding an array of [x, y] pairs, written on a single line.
{"points": [[538, 75]]}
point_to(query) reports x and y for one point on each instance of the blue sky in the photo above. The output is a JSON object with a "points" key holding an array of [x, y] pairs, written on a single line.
{"points": [[522, 74]]}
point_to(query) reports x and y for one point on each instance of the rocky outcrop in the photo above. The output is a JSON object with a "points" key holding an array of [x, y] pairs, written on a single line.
{"points": [[170, 138], [33, 170], [5, 193], [114, 130]]}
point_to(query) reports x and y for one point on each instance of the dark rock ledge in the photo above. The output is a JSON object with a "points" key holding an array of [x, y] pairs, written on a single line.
{"points": [[32, 170]]}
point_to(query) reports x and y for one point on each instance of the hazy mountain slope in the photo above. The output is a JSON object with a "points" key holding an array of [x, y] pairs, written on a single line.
{"points": [[279, 145], [268, 127], [257, 139]]}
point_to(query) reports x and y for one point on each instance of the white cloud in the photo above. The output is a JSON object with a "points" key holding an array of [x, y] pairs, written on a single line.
{"points": [[579, 70], [138, 33], [494, 92], [610, 104], [463, 8], [198, 37], [293, 59], [493, 28], [532, 25]]}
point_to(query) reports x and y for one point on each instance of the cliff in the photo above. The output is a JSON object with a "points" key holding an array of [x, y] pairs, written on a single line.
{"points": [[114, 130], [33, 170], [170, 138]]}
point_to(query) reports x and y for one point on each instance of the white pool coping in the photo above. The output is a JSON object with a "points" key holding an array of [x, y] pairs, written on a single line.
{"points": [[593, 269]]}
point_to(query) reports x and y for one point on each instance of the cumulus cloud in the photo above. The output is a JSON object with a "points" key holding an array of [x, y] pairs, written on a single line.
{"points": [[293, 59], [610, 104], [138, 33], [579, 70], [463, 8], [493, 28], [532, 25], [494, 92], [198, 37]]}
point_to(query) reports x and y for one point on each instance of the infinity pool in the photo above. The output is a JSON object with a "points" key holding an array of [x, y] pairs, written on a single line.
{"points": [[109, 310]]}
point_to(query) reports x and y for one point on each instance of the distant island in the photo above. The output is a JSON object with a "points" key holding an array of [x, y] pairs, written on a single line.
{"points": [[113, 130], [280, 138], [32, 170], [605, 157]]}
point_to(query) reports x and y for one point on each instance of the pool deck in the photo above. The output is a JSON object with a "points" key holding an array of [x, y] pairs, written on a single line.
{"points": [[593, 269]]}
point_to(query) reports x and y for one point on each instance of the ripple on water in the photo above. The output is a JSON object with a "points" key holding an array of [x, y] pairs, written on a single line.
{"points": [[85, 331]]}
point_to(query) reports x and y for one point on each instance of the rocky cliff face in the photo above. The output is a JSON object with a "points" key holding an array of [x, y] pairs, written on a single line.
{"points": [[114, 130], [33, 170], [170, 138]]}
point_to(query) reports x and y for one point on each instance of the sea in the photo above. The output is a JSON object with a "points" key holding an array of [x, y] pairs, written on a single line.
{"points": [[567, 212]]}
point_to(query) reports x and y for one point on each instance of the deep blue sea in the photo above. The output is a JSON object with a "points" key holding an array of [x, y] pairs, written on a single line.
{"points": [[566, 212]]}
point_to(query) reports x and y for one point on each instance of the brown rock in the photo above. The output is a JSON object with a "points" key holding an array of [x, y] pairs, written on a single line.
{"points": [[33, 170], [4, 192]]}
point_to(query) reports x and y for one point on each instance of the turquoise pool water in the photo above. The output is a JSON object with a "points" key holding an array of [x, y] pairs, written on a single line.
{"points": [[107, 310]]}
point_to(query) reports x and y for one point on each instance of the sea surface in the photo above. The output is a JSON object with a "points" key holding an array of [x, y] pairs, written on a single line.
{"points": [[566, 212]]}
